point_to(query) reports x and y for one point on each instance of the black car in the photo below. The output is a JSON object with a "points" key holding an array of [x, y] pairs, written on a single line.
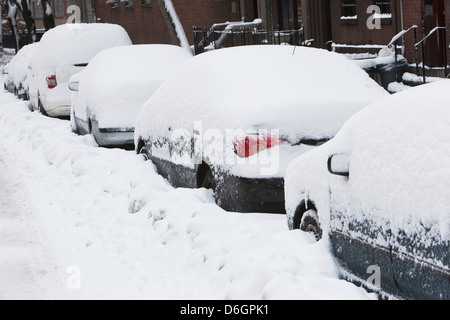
{"points": [[379, 193], [231, 119]]}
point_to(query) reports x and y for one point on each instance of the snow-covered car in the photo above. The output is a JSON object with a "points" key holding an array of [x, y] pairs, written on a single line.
{"points": [[16, 79], [109, 93], [64, 51], [231, 119], [379, 191]]}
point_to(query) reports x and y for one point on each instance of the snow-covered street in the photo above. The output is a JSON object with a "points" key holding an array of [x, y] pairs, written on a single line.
{"points": [[83, 222], [26, 269]]}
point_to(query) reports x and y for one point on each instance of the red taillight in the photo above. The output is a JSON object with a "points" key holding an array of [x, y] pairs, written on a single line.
{"points": [[51, 82], [252, 144]]}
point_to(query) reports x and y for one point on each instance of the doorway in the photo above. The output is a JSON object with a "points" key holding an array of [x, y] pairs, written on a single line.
{"points": [[288, 18], [249, 10], [433, 15]]}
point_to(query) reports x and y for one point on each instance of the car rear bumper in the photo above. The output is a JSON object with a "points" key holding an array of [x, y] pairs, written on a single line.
{"points": [[53, 110], [113, 136], [241, 194], [57, 101], [232, 193]]}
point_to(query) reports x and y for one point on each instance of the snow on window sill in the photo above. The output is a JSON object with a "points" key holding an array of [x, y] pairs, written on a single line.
{"points": [[349, 19]]}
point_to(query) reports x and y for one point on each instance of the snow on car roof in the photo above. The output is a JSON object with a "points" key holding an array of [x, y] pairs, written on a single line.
{"points": [[18, 66], [271, 87], [119, 80], [69, 44], [126, 64]]}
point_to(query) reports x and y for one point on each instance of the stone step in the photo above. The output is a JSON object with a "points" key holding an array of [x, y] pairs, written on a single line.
{"points": [[429, 72]]}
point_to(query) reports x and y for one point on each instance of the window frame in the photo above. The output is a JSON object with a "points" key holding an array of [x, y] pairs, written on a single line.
{"points": [[383, 4], [347, 5]]}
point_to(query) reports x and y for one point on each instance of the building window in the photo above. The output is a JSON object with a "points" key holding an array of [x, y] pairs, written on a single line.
{"points": [[348, 8], [114, 3], [384, 5], [429, 7], [146, 3], [59, 9], [129, 4]]}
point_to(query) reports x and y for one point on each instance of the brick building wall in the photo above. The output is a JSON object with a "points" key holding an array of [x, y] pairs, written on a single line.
{"points": [[355, 31], [145, 24], [412, 15]]}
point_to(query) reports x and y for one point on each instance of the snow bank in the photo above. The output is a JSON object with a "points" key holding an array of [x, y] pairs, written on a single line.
{"points": [[395, 87], [373, 63], [413, 78], [399, 148], [127, 234], [385, 57], [118, 81], [308, 94]]}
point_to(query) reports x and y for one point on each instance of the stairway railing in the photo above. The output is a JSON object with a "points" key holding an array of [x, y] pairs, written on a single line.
{"points": [[422, 43], [394, 40]]}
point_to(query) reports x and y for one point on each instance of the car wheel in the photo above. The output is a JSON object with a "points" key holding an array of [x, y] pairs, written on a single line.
{"points": [[310, 223], [41, 108], [208, 181], [73, 123], [90, 127], [16, 92], [144, 153]]}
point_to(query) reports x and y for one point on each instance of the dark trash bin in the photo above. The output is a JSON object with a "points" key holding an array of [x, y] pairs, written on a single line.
{"points": [[392, 72], [385, 70]]}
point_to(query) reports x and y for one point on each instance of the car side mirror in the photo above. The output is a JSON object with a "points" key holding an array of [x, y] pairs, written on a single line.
{"points": [[73, 86], [339, 164], [5, 71]]}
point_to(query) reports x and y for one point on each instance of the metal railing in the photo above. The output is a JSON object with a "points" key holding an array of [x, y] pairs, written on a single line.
{"points": [[393, 42], [235, 34], [422, 43]]}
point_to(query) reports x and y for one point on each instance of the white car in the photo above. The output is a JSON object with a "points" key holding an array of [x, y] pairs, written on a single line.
{"points": [[379, 192], [16, 79], [109, 93], [64, 51], [231, 119]]}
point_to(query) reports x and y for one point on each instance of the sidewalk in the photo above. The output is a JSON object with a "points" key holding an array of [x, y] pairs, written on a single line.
{"points": [[24, 261]]}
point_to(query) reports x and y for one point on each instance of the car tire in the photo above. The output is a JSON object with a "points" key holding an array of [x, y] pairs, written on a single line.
{"points": [[143, 152], [208, 181], [41, 108], [310, 223], [73, 123], [90, 127]]}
